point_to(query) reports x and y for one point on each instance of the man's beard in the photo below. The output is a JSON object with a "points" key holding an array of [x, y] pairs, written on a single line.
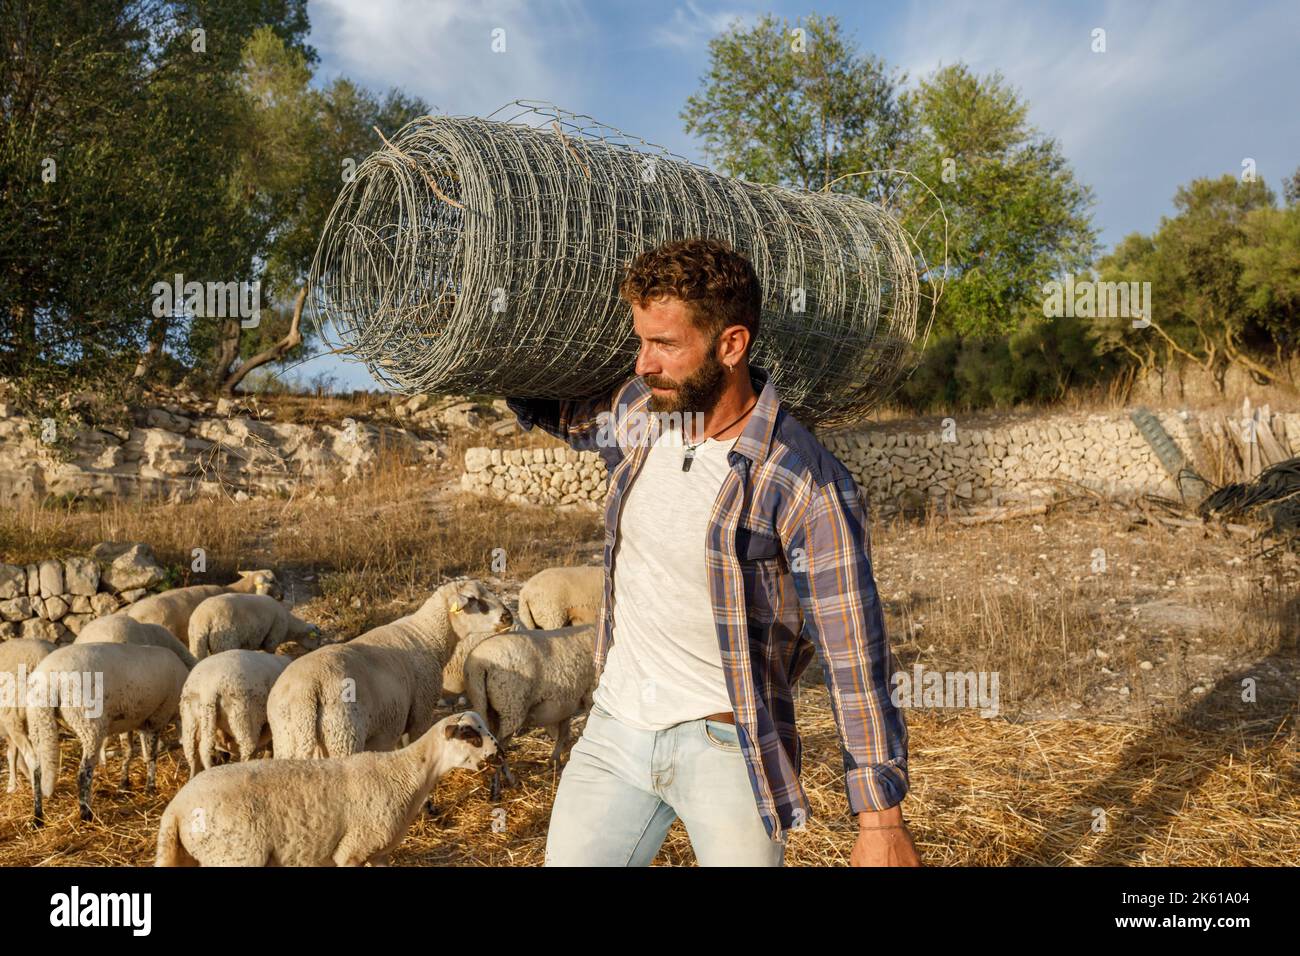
{"points": [[698, 392]]}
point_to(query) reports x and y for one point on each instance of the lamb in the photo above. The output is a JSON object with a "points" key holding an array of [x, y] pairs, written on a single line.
{"points": [[172, 609], [252, 622], [528, 678], [368, 693], [561, 597], [226, 694], [18, 657], [119, 628], [344, 812], [99, 690]]}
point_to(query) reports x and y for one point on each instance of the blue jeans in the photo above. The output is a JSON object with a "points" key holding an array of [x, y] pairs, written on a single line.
{"points": [[623, 787]]}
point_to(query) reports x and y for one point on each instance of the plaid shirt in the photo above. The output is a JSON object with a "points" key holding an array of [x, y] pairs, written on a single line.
{"points": [[790, 570]]}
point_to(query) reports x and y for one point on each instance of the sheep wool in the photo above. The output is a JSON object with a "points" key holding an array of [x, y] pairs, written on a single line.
{"points": [[226, 695], [344, 812], [524, 678], [18, 658], [99, 690], [173, 609], [366, 694], [119, 628], [250, 622], [562, 597]]}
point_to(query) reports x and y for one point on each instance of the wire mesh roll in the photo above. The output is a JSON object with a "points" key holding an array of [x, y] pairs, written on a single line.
{"points": [[475, 255]]}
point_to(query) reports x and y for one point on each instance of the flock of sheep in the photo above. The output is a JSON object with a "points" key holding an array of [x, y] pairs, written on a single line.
{"points": [[356, 749]]}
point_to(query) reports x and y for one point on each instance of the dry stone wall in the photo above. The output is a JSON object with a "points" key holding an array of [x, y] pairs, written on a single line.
{"points": [[52, 600], [176, 456], [956, 464]]}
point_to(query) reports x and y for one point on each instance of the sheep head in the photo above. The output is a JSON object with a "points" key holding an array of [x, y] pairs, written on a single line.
{"points": [[473, 609], [305, 633], [466, 742], [260, 582]]}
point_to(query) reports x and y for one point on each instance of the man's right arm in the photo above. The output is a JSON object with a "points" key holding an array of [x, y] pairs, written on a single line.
{"points": [[577, 422]]}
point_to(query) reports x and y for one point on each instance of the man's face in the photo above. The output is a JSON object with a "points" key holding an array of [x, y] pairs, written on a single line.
{"points": [[677, 360]]}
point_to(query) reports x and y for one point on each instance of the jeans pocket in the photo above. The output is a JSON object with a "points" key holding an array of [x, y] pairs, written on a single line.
{"points": [[721, 735]]}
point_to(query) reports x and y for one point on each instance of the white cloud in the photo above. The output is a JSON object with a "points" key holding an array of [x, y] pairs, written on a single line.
{"points": [[690, 27], [442, 50], [1177, 94]]}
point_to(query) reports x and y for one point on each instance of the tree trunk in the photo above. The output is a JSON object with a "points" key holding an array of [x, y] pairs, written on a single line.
{"points": [[227, 350], [292, 339], [152, 348]]}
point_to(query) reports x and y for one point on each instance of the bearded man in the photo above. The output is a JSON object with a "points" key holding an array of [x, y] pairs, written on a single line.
{"points": [[735, 546]]}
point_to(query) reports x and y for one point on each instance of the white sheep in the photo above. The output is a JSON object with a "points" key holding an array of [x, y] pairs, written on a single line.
{"points": [[366, 694], [119, 628], [173, 609], [453, 675], [344, 812], [18, 657], [249, 622], [523, 679], [99, 690], [226, 694], [562, 597]]}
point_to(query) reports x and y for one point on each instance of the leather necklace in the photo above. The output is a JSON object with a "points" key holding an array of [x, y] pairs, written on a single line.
{"points": [[689, 456]]}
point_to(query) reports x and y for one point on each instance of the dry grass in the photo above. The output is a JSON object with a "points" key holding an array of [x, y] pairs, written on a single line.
{"points": [[1185, 771], [985, 793]]}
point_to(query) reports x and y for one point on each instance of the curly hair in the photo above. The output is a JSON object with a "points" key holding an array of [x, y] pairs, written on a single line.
{"points": [[718, 284]]}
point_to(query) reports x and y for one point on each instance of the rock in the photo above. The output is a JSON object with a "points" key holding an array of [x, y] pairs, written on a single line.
{"points": [[80, 604], [17, 609], [161, 418], [33, 580], [103, 603], [133, 569], [477, 459], [133, 595], [81, 576], [75, 622], [108, 550], [13, 581], [8, 630], [55, 608], [40, 630], [51, 578]]}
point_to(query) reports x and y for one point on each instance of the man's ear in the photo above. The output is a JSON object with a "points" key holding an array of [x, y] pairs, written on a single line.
{"points": [[733, 342]]}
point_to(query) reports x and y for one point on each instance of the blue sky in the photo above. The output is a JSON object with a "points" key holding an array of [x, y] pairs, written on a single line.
{"points": [[1183, 89]]}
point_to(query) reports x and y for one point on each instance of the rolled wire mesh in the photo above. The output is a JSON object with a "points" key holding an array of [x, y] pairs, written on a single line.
{"points": [[476, 255]]}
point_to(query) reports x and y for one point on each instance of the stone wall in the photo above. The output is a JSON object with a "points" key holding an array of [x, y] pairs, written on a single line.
{"points": [[52, 600], [559, 476], [171, 453], [959, 465]]}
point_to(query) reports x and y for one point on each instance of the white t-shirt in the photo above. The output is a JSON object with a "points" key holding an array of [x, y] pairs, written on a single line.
{"points": [[664, 665]]}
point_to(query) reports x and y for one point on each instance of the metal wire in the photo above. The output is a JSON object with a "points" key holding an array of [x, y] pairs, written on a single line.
{"points": [[484, 256]]}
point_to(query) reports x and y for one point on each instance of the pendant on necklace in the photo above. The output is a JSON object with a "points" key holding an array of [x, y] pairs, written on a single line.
{"points": [[688, 458]]}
